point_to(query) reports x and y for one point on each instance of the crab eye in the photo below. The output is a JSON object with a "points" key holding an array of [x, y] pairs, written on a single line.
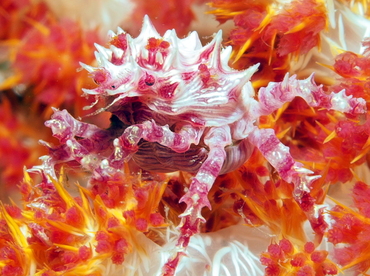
{"points": [[113, 87], [149, 83], [149, 80]]}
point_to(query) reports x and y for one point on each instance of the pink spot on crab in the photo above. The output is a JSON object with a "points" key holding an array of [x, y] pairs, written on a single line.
{"points": [[100, 76]]}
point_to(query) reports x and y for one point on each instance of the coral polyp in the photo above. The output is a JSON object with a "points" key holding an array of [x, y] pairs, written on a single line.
{"points": [[177, 105]]}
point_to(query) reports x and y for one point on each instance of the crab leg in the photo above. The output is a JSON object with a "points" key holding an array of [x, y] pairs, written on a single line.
{"points": [[277, 93], [277, 154], [127, 144], [196, 197], [291, 171], [79, 141]]}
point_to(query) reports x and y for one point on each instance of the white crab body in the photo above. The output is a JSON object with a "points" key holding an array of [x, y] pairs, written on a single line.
{"points": [[186, 79]]}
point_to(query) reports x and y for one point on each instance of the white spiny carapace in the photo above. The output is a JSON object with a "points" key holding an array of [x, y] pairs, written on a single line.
{"points": [[172, 76], [177, 105]]}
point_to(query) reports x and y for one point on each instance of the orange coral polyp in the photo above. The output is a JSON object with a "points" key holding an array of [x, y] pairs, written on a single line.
{"points": [[68, 232], [120, 41], [350, 229], [155, 44], [297, 261], [272, 31], [74, 217], [48, 61]]}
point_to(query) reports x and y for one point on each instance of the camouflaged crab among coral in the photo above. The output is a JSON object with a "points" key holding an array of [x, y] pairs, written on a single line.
{"points": [[177, 105]]}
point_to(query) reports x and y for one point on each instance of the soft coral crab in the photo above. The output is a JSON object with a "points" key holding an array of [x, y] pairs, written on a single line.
{"points": [[183, 102]]}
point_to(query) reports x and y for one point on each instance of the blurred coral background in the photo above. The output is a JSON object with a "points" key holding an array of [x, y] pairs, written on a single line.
{"points": [[255, 226]]}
